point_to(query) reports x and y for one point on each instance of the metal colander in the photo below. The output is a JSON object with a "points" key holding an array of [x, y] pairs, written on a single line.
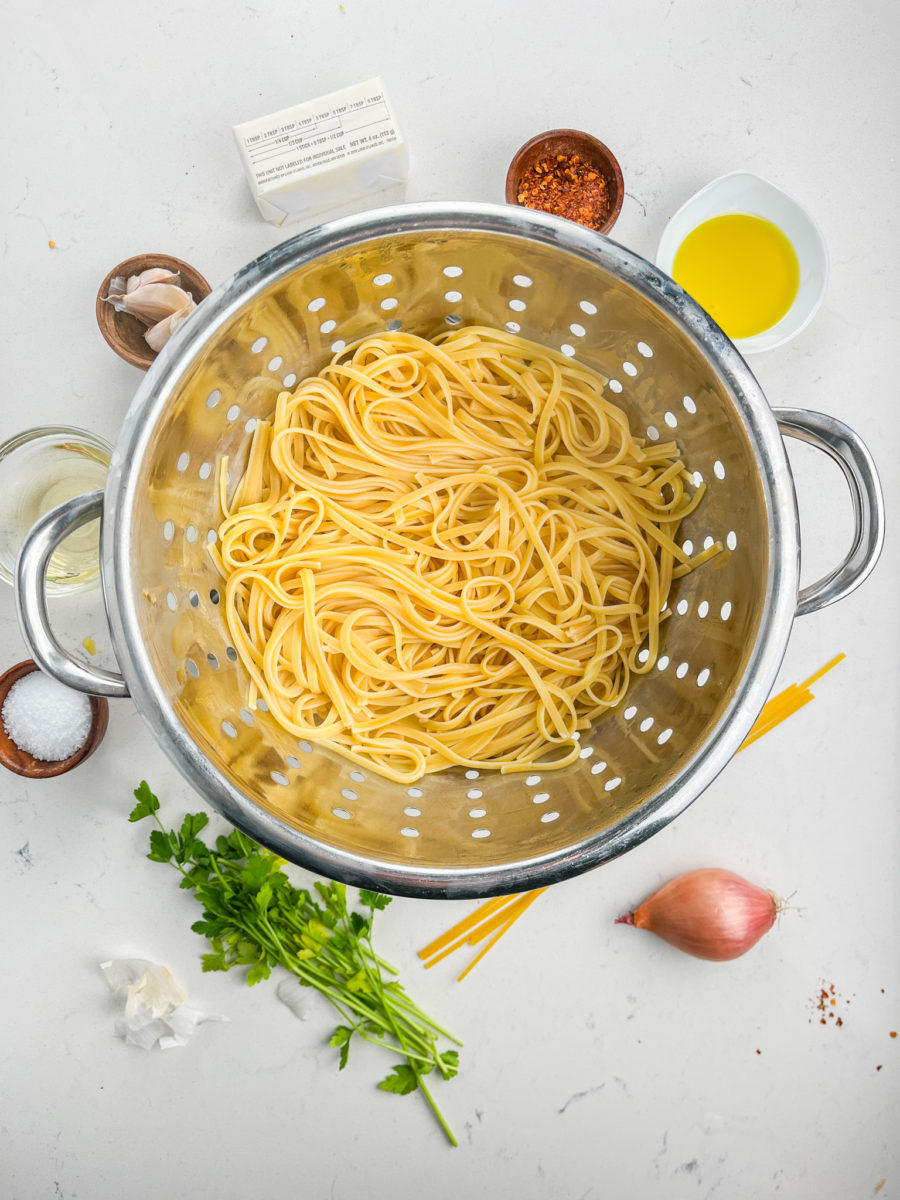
{"points": [[422, 268]]}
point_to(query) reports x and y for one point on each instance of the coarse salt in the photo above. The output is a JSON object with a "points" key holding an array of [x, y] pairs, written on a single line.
{"points": [[45, 719]]}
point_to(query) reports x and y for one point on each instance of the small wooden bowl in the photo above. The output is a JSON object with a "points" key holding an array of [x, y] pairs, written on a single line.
{"points": [[569, 142], [124, 332], [16, 759]]}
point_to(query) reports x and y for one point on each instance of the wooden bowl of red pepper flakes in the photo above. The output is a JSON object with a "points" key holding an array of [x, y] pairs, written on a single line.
{"points": [[569, 174]]}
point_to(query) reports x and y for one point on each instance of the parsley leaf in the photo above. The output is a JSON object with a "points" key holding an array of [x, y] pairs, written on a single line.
{"points": [[147, 803], [402, 1080], [373, 900]]}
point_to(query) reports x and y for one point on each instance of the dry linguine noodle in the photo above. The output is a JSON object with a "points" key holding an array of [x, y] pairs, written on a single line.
{"points": [[449, 552]]}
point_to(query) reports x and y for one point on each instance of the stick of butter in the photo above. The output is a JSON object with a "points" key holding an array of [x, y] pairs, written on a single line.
{"points": [[333, 155]]}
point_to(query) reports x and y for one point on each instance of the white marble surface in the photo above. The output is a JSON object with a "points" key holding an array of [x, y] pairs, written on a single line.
{"points": [[597, 1062]]}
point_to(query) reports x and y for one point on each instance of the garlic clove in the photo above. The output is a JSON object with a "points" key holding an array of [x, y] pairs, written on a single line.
{"points": [[159, 334], [153, 275], [152, 302], [117, 286]]}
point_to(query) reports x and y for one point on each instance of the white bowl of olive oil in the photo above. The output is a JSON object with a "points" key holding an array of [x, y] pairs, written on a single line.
{"points": [[751, 256]]}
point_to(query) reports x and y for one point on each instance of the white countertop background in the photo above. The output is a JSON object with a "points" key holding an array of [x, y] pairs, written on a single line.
{"points": [[598, 1062]]}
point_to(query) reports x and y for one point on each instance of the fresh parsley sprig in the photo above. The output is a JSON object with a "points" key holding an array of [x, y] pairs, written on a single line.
{"points": [[254, 917]]}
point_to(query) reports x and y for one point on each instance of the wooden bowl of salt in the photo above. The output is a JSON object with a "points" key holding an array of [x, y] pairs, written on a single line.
{"points": [[31, 720]]}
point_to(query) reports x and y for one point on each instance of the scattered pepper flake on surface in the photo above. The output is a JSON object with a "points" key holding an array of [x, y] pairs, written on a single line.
{"points": [[566, 186], [52, 245], [825, 1003], [893, 1033]]}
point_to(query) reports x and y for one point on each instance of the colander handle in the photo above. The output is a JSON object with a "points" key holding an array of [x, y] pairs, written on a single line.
{"points": [[850, 453], [31, 598]]}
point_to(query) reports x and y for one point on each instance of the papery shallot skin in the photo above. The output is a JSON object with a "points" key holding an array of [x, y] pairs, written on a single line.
{"points": [[709, 913]]}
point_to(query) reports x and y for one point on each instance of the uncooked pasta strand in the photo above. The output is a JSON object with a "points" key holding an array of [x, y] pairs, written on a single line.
{"points": [[449, 552]]}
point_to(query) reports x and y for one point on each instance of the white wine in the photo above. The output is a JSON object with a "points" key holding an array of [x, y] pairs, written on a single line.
{"points": [[38, 471]]}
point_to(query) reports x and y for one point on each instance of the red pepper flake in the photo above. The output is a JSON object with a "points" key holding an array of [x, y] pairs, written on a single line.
{"points": [[893, 1033], [52, 245], [759, 1052], [566, 186]]}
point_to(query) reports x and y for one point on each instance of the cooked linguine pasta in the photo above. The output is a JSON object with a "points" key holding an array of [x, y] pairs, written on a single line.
{"points": [[449, 552]]}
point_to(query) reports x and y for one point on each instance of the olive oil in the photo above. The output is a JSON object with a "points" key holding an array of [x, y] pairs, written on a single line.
{"points": [[741, 269]]}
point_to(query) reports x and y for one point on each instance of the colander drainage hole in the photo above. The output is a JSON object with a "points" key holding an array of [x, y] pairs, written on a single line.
{"points": [[279, 778], [250, 425], [213, 661], [671, 420], [453, 319], [681, 670], [453, 272], [644, 350], [259, 345], [522, 280], [233, 413], [481, 833], [664, 737], [547, 817], [589, 750], [192, 669], [518, 305], [725, 610], [394, 325], [315, 305], [191, 533], [652, 431], [731, 540], [409, 832], [567, 350], [289, 380], [472, 774], [662, 663], [214, 595], [168, 531], [213, 398], [171, 601], [719, 469], [349, 794], [387, 305], [182, 462], [533, 780], [383, 280], [261, 705], [587, 307], [414, 793], [612, 784], [708, 542], [193, 599], [681, 607], [231, 653], [357, 777], [474, 794], [338, 346], [702, 609], [412, 812], [540, 798], [341, 813], [453, 297], [513, 326], [246, 716], [703, 677], [305, 747], [629, 712], [292, 761], [688, 546], [615, 386], [598, 768], [646, 724], [477, 813], [328, 326], [205, 470], [689, 405], [629, 368], [578, 330], [228, 729], [275, 363]]}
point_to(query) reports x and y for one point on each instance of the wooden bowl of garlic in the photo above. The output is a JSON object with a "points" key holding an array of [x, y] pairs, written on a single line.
{"points": [[143, 300]]}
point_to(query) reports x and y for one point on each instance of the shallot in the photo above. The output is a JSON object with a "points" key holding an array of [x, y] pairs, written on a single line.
{"points": [[710, 913]]}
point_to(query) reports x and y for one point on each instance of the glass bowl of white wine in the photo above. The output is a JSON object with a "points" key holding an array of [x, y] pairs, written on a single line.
{"points": [[39, 469]]}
